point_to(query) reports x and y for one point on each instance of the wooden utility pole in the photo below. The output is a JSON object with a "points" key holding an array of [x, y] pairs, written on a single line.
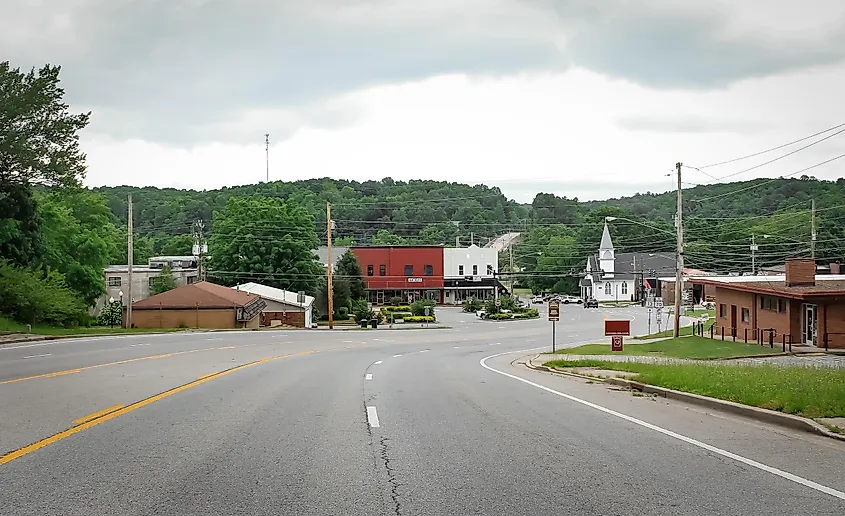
{"points": [[813, 230], [679, 272], [130, 259], [331, 265]]}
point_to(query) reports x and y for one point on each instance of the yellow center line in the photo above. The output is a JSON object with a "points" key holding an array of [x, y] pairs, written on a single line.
{"points": [[95, 415], [206, 375], [20, 452], [119, 362]]}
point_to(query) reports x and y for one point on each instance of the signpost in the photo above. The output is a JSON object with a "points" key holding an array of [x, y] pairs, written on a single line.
{"points": [[554, 316], [616, 330]]}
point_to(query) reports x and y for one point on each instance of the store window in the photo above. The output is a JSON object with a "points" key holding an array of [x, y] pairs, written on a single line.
{"points": [[382, 270], [475, 270], [369, 270], [409, 270], [624, 288], [114, 281], [460, 270], [489, 269]]}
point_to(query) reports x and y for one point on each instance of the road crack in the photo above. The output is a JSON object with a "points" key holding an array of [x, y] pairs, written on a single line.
{"points": [[391, 476]]}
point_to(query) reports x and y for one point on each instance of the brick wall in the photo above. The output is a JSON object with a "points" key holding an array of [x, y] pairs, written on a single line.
{"points": [[190, 318], [290, 318], [832, 320], [800, 271]]}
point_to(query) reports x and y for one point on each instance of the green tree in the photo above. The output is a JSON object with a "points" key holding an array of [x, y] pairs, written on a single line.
{"points": [[265, 240], [348, 269], [79, 238], [39, 141], [164, 281], [176, 245], [385, 237], [35, 296], [20, 233]]}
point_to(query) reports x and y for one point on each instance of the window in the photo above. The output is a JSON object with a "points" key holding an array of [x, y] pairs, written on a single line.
{"points": [[723, 310], [428, 270], [475, 270], [192, 279], [460, 270], [773, 304], [607, 288], [489, 269], [382, 270], [369, 270], [409, 270], [746, 315], [114, 281], [624, 288], [781, 305]]}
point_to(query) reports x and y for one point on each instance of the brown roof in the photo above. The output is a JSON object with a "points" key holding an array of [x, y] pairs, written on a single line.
{"points": [[197, 295], [779, 288]]}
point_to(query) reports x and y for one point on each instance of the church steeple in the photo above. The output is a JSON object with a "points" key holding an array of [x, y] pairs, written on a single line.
{"points": [[607, 255]]}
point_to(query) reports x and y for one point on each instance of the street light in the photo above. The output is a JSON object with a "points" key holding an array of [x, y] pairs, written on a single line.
{"points": [[121, 306]]}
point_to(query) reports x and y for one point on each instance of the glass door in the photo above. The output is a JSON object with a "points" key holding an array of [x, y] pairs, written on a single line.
{"points": [[808, 324]]}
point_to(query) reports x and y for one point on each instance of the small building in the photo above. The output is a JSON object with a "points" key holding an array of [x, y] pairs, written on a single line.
{"points": [[281, 306], [469, 272], [807, 307], [323, 255], [199, 305], [116, 277], [612, 276]]}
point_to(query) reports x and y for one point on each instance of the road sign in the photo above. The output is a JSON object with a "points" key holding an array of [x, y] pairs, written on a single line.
{"points": [[658, 302], [620, 327], [616, 343], [554, 311], [498, 302]]}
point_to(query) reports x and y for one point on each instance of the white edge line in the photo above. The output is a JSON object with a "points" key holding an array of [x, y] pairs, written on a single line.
{"points": [[372, 417], [377, 363], [36, 356], [369, 376], [425, 351], [670, 433], [396, 356]]}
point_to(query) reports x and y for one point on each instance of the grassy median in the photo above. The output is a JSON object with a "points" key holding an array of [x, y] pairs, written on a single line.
{"points": [[804, 391], [700, 348]]}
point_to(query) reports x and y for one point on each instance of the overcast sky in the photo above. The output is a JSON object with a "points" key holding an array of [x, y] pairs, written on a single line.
{"points": [[581, 98]]}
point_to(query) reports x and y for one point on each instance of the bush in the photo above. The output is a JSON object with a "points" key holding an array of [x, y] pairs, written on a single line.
{"points": [[418, 307], [395, 300], [397, 315], [395, 308], [528, 314], [343, 313], [500, 316], [315, 313], [112, 315], [419, 318], [507, 304], [472, 304], [32, 296]]}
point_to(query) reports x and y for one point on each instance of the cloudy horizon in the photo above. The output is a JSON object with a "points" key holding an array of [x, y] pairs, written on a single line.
{"points": [[559, 96]]}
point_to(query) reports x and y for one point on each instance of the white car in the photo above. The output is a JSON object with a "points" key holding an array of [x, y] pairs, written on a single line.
{"points": [[481, 313], [537, 300]]}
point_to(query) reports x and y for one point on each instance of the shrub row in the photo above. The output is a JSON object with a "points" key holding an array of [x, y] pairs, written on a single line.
{"points": [[419, 318], [400, 308]]}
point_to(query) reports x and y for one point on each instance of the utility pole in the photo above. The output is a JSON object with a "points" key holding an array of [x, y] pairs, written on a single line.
{"points": [[199, 249], [813, 233], [267, 154], [754, 248], [679, 273], [130, 259], [510, 252], [331, 265]]}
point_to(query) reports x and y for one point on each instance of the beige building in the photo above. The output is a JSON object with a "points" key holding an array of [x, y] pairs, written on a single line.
{"points": [[116, 277], [199, 305]]}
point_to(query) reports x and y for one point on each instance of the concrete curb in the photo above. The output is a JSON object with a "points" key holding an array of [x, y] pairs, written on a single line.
{"points": [[39, 338], [768, 416]]}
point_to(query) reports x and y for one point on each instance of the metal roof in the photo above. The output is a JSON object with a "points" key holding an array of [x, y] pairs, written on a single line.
{"points": [[274, 294]]}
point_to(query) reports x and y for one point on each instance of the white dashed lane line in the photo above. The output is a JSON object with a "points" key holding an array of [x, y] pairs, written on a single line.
{"points": [[425, 351], [369, 376], [372, 417], [37, 356], [377, 363], [397, 356]]}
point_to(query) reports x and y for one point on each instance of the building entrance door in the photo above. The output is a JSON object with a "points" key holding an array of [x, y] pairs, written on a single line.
{"points": [[380, 297], [808, 323]]}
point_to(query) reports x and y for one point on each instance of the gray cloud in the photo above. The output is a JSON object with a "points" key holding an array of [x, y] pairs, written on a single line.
{"points": [[180, 71]]}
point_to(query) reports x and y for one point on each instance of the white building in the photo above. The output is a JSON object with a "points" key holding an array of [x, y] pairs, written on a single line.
{"points": [[282, 306], [469, 272], [116, 277], [612, 276]]}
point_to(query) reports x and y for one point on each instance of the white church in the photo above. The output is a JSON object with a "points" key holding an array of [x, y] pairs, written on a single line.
{"points": [[624, 276]]}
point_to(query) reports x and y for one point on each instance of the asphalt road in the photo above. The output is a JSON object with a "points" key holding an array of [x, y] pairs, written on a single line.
{"points": [[378, 422]]}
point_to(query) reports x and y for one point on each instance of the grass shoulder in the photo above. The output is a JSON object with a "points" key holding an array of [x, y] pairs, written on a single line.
{"points": [[9, 326], [700, 348], [803, 391]]}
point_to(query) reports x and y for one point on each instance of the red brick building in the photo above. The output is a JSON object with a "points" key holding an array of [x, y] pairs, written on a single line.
{"points": [[807, 307], [401, 271]]}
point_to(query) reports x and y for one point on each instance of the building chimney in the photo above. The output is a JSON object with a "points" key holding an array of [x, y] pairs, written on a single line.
{"points": [[835, 268], [800, 272]]}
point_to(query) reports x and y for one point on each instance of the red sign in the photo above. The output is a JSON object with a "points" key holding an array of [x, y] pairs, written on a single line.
{"points": [[616, 343], [617, 327], [554, 311]]}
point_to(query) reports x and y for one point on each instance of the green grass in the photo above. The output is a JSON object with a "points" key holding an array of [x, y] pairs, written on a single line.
{"points": [[687, 347], [804, 391], [699, 313], [522, 291], [9, 326], [685, 330]]}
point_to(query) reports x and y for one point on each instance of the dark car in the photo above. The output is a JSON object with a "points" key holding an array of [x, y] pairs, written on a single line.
{"points": [[591, 303]]}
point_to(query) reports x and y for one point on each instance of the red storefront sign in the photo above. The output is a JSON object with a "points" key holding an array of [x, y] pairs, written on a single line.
{"points": [[622, 327]]}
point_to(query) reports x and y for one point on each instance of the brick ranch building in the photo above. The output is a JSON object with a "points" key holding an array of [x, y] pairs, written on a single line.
{"points": [[808, 307], [199, 305]]}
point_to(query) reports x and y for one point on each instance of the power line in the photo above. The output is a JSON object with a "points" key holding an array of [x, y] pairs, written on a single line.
{"points": [[770, 150]]}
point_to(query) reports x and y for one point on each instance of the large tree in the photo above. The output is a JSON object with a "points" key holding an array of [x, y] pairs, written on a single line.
{"points": [[20, 232], [266, 240], [348, 269], [163, 282], [39, 141]]}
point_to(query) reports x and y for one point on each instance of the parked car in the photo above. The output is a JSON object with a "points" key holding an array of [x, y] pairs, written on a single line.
{"points": [[572, 299], [537, 300], [591, 303]]}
